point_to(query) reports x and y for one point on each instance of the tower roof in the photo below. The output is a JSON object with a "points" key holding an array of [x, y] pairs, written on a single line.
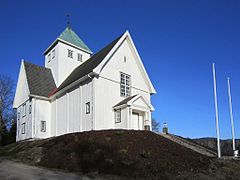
{"points": [[70, 36]]}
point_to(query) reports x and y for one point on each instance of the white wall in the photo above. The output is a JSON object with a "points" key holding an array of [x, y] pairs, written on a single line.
{"points": [[27, 119], [124, 119], [69, 110], [53, 63], [107, 94], [86, 96], [22, 97], [107, 86], [22, 92], [74, 110], [42, 113], [62, 65], [62, 115], [53, 118]]}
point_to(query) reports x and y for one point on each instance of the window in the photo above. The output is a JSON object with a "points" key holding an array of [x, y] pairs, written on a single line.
{"points": [[125, 85], [87, 107], [53, 54], [118, 116], [23, 128], [79, 57], [24, 109], [18, 116], [125, 59], [70, 53], [43, 126], [30, 109], [49, 57]]}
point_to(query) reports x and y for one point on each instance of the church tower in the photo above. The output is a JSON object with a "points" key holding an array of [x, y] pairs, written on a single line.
{"points": [[66, 53]]}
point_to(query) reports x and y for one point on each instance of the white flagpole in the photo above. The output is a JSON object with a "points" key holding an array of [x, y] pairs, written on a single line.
{"points": [[216, 110], [231, 114]]}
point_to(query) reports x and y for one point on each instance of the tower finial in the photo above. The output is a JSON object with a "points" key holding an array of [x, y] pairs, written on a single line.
{"points": [[68, 20]]}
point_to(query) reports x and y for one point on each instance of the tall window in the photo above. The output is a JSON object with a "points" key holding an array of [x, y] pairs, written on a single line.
{"points": [[118, 116], [79, 57], [23, 128], [18, 116], [87, 107], [125, 59], [43, 126], [30, 109], [125, 85], [70, 53], [24, 109]]}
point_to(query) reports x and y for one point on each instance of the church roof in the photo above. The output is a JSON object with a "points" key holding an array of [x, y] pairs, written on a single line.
{"points": [[40, 79], [88, 66], [129, 100], [70, 36], [124, 101]]}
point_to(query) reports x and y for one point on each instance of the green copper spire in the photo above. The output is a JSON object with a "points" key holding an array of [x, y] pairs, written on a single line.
{"points": [[70, 36]]}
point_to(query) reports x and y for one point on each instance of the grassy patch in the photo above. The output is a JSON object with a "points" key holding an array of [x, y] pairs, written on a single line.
{"points": [[107, 139], [145, 154], [91, 140], [123, 151], [119, 133]]}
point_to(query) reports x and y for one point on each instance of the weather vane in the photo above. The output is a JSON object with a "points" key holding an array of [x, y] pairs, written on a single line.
{"points": [[68, 19]]}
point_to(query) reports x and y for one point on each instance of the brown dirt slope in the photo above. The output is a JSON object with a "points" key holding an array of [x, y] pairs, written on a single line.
{"points": [[118, 152]]}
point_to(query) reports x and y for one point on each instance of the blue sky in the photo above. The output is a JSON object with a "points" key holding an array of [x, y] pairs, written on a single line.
{"points": [[177, 41]]}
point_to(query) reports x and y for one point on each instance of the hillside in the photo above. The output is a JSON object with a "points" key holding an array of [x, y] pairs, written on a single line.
{"points": [[226, 145], [127, 154]]}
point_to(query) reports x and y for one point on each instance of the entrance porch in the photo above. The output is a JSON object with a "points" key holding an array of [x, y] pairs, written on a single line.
{"points": [[135, 113]]}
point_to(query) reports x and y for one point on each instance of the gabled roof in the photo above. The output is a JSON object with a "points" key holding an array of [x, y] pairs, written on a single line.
{"points": [[89, 65], [124, 101], [40, 79], [70, 36], [130, 101]]}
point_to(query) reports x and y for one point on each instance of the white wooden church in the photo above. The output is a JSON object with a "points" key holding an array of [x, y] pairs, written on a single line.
{"points": [[81, 91]]}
